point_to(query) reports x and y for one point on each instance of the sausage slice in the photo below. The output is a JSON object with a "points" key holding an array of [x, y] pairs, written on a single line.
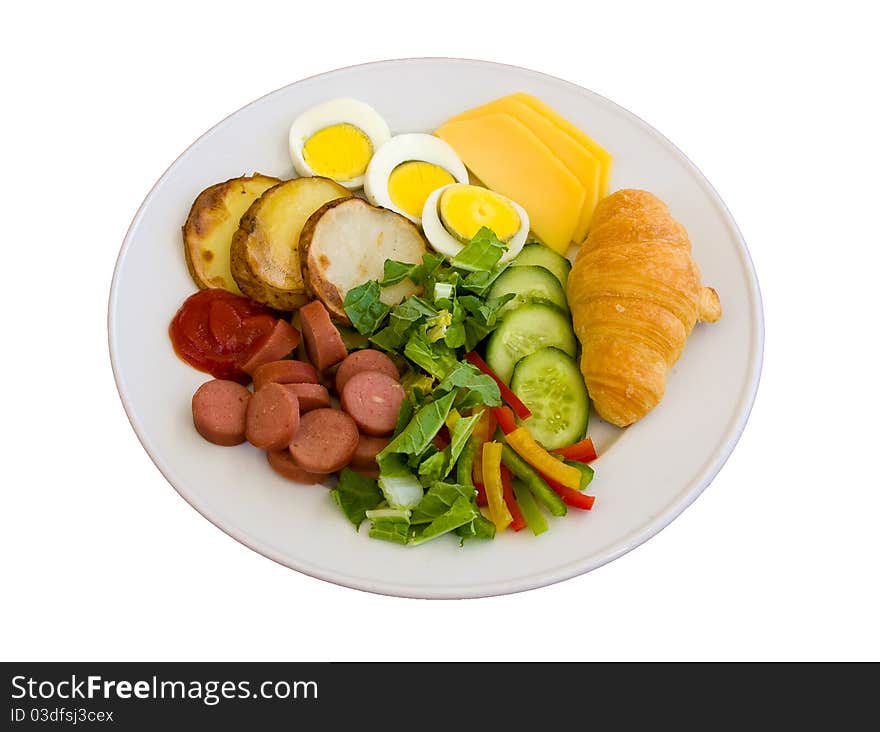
{"points": [[310, 396], [282, 462], [323, 342], [219, 409], [373, 400], [364, 457], [325, 441], [272, 417], [366, 360], [281, 340], [284, 372]]}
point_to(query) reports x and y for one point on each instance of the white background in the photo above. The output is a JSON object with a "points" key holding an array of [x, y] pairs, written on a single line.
{"points": [[778, 559]]}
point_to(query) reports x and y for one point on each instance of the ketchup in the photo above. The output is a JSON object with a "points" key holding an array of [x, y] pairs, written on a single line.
{"points": [[216, 331]]}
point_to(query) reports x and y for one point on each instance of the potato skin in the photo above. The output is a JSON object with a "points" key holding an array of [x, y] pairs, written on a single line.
{"points": [[251, 258], [203, 232]]}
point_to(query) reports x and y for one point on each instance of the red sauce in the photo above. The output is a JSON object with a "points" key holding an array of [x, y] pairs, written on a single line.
{"points": [[216, 331]]}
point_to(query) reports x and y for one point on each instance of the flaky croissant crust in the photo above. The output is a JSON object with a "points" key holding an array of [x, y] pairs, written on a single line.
{"points": [[635, 296]]}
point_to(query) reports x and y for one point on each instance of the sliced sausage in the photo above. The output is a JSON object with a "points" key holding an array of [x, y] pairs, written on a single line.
{"points": [[284, 372], [323, 342], [281, 340], [310, 396], [219, 408], [282, 462], [325, 441], [373, 401], [366, 360], [272, 417], [368, 447]]}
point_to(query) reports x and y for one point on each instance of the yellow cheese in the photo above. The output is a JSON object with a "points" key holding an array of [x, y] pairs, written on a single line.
{"points": [[577, 133], [577, 158], [510, 159]]}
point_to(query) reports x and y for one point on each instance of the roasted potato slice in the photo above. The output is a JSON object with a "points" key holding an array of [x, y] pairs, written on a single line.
{"points": [[212, 220], [346, 242], [265, 249]]}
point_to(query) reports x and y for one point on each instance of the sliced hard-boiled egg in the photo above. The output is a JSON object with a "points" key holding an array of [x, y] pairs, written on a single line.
{"points": [[337, 139], [453, 214], [404, 172]]}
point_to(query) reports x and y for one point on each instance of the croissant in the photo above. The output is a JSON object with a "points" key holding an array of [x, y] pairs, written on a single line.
{"points": [[635, 296]]}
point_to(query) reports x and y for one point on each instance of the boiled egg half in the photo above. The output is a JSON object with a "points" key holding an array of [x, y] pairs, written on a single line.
{"points": [[407, 169], [337, 139], [453, 214]]}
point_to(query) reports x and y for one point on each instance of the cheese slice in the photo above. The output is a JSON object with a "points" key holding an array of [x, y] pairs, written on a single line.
{"points": [[510, 159], [577, 133], [577, 158]]}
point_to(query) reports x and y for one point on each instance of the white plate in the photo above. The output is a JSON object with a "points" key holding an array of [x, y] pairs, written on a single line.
{"points": [[646, 475]]}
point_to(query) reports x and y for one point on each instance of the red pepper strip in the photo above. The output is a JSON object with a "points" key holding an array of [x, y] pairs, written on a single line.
{"points": [[582, 452], [506, 420], [482, 498], [518, 522], [573, 498], [522, 411], [441, 439]]}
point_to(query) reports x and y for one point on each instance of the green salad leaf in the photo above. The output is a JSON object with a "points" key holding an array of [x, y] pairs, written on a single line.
{"points": [[438, 500], [437, 358], [474, 386], [481, 253], [395, 271], [418, 433], [461, 512], [399, 486], [364, 308], [390, 529], [356, 494], [479, 528]]}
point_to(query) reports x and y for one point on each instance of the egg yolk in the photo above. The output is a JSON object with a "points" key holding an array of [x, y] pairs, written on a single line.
{"points": [[410, 184], [340, 152], [465, 209]]}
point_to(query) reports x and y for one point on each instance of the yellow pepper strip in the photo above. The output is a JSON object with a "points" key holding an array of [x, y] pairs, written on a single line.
{"points": [[452, 418], [522, 441], [494, 488], [481, 435]]}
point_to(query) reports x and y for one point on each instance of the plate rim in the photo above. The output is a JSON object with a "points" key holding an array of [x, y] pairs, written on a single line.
{"points": [[638, 536]]}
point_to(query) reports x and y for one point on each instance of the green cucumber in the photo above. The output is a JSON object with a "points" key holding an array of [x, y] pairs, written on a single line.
{"points": [[550, 384], [525, 330], [528, 284], [541, 256]]}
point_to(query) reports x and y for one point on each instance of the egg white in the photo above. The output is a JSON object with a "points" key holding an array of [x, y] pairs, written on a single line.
{"points": [[447, 245], [334, 112], [411, 147]]}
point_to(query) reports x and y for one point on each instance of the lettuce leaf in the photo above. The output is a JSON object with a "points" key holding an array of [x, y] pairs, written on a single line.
{"points": [[481, 253], [364, 308], [395, 271], [355, 495], [461, 512], [438, 500], [437, 359], [394, 530], [418, 433], [475, 387], [438, 466], [399, 486], [479, 528]]}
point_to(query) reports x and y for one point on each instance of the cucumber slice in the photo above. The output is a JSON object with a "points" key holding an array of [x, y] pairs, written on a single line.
{"points": [[529, 284], [525, 330], [541, 256], [551, 386]]}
